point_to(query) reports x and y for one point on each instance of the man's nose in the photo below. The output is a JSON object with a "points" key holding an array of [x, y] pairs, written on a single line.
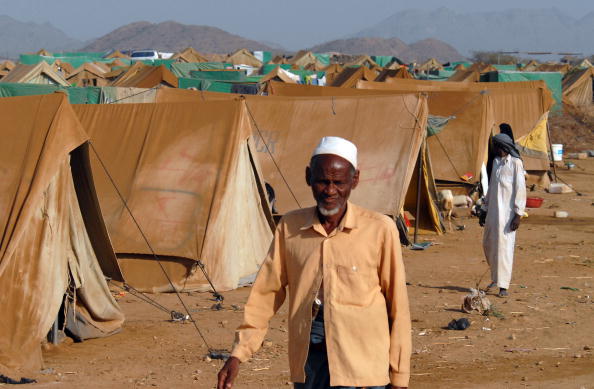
{"points": [[330, 189]]}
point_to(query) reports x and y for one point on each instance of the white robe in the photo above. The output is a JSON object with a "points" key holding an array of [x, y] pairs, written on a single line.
{"points": [[506, 197]]}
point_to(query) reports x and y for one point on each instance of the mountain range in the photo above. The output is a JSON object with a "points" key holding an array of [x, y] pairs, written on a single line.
{"points": [[425, 31], [511, 29], [173, 36], [20, 37], [415, 52]]}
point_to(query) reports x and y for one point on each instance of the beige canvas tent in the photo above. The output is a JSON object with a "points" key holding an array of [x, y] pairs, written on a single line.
{"points": [[428, 215], [520, 104], [577, 87], [88, 74], [387, 75], [117, 54], [244, 57], [54, 242], [42, 73], [363, 60], [191, 180], [463, 75], [140, 75], [387, 129], [430, 64], [189, 55], [349, 76], [306, 59]]}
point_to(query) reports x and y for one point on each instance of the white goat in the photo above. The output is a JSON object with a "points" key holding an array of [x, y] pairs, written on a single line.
{"points": [[446, 204]]}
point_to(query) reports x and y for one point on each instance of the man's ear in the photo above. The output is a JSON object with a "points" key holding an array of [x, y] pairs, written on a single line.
{"points": [[308, 176], [355, 179]]}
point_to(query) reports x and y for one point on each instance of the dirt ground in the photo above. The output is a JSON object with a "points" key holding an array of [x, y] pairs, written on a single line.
{"points": [[543, 339]]}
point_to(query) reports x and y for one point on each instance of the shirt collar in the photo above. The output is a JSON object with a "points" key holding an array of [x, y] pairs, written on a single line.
{"points": [[349, 221]]}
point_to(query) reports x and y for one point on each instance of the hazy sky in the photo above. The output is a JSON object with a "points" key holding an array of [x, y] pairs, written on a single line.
{"points": [[293, 24]]}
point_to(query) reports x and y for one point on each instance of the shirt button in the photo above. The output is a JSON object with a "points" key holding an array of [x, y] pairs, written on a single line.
{"points": [[354, 268]]}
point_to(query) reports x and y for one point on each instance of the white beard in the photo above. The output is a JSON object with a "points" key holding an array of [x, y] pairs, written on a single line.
{"points": [[328, 212]]}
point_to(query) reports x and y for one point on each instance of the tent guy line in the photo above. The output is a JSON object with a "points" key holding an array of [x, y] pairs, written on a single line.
{"points": [[215, 354], [269, 153]]}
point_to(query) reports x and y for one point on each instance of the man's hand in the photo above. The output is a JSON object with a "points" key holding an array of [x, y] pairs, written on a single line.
{"points": [[228, 373], [515, 223]]}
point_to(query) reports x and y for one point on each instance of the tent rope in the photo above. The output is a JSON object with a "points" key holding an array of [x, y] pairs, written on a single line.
{"points": [[189, 314], [270, 153], [175, 316], [135, 94]]}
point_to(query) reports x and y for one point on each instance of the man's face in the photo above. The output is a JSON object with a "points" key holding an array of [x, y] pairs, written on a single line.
{"points": [[331, 179], [500, 152]]}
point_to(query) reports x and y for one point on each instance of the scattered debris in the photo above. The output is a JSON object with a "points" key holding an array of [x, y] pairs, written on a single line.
{"points": [[561, 214], [570, 288], [459, 325]]}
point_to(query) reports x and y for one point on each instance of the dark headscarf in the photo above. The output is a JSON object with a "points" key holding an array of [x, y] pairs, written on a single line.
{"points": [[505, 143]]}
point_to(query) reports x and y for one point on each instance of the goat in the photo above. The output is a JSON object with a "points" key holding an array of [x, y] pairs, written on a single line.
{"points": [[446, 204]]}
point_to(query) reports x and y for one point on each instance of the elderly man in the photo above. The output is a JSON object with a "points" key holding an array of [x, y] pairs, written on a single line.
{"points": [[504, 206], [349, 321]]}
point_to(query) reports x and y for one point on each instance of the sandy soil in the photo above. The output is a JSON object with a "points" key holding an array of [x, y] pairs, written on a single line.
{"points": [[543, 339], [573, 127]]}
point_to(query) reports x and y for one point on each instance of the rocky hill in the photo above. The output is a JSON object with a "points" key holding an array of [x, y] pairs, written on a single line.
{"points": [[511, 29], [173, 36], [20, 37], [417, 52]]}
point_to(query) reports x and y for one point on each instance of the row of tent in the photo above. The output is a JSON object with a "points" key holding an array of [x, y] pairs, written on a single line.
{"points": [[194, 168], [568, 86]]}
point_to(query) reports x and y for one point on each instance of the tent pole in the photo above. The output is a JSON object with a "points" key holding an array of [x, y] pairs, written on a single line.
{"points": [[55, 331], [551, 150], [418, 210]]}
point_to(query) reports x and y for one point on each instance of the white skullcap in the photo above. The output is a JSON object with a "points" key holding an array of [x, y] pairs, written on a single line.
{"points": [[337, 146]]}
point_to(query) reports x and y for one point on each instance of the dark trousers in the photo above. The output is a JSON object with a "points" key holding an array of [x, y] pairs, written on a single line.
{"points": [[317, 375]]}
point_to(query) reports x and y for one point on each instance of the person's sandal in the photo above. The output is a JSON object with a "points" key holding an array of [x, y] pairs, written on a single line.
{"points": [[490, 286], [503, 292]]}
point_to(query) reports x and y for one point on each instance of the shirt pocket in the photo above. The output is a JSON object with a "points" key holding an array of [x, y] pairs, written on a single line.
{"points": [[354, 285]]}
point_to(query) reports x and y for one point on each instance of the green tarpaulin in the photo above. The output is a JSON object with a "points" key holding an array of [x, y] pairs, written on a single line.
{"points": [[270, 67], [209, 85], [34, 59], [218, 75], [552, 79], [88, 95], [182, 69], [324, 59], [506, 67], [385, 60]]}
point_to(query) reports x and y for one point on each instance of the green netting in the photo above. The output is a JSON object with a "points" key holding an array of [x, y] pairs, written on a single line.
{"points": [[209, 85], [158, 62], [323, 58], [217, 75], [90, 54], [266, 56], [271, 66], [552, 79], [506, 67], [34, 59], [87, 95], [383, 60], [182, 69], [442, 75]]}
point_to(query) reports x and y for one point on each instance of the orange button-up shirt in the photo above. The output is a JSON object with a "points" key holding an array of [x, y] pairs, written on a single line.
{"points": [[366, 313]]}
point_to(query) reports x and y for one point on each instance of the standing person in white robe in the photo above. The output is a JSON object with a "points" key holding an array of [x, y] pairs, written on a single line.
{"points": [[504, 205]]}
